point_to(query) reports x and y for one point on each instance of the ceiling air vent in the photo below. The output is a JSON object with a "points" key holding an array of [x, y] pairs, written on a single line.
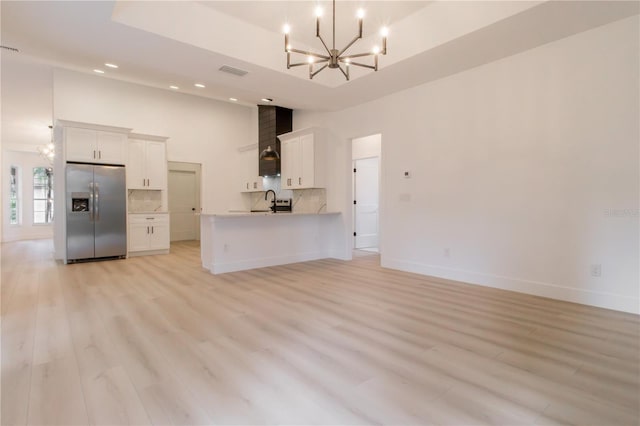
{"points": [[234, 71], [13, 49]]}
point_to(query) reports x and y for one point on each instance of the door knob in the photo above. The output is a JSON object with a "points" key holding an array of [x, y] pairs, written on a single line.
{"points": [[193, 209]]}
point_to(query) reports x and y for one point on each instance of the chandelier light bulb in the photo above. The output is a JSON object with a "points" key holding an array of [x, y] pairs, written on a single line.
{"points": [[318, 12], [286, 29], [360, 13], [310, 59], [51, 146], [288, 48], [384, 31], [375, 50]]}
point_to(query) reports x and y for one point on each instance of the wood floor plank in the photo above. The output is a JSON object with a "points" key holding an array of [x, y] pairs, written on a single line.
{"points": [[56, 394], [159, 340]]}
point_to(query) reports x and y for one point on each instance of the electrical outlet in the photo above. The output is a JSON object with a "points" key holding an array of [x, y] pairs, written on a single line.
{"points": [[447, 252], [596, 270]]}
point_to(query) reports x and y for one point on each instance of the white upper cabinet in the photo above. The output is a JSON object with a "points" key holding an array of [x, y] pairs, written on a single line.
{"points": [[95, 146], [249, 179], [147, 162], [302, 159]]}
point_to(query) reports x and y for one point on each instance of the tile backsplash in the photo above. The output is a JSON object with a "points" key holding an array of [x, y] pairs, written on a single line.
{"points": [[144, 200], [313, 200]]}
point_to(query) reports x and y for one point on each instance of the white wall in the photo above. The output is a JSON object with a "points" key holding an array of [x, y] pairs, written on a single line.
{"points": [[200, 130], [526, 169], [366, 147], [26, 115]]}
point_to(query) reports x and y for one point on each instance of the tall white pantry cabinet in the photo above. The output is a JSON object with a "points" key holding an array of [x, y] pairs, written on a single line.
{"points": [[147, 177]]}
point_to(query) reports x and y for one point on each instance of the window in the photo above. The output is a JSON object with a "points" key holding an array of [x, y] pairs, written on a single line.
{"points": [[42, 195], [14, 202]]}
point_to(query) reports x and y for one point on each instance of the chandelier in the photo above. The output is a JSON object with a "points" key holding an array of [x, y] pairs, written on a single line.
{"points": [[48, 151], [335, 58]]}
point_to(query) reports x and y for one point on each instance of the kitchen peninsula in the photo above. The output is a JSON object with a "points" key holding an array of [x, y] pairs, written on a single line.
{"points": [[243, 240]]}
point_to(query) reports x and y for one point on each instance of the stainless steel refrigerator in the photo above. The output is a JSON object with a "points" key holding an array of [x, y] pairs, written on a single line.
{"points": [[96, 212]]}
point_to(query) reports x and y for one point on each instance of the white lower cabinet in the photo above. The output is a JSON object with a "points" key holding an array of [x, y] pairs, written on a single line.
{"points": [[148, 233]]}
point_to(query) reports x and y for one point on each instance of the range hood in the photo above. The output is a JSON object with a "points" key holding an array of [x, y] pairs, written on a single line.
{"points": [[272, 122]]}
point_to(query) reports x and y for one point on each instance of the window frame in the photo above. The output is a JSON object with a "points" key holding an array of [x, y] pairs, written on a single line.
{"points": [[15, 188], [48, 200]]}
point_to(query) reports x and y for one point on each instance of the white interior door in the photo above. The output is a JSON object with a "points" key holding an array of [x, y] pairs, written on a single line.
{"points": [[367, 199], [184, 188]]}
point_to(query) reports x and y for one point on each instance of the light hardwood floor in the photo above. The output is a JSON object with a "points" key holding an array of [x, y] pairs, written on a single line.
{"points": [[159, 340]]}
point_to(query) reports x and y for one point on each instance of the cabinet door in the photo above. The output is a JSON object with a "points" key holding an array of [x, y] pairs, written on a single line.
{"points": [[306, 179], [289, 161], [80, 144], [136, 178], [111, 148], [246, 170], [156, 165], [139, 236], [159, 236]]}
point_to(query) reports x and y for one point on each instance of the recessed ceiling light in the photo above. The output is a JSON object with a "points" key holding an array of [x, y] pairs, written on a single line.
{"points": [[267, 100], [233, 99], [174, 87], [111, 65], [200, 85], [98, 71]]}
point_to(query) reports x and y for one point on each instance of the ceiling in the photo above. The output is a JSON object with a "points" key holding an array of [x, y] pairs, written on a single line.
{"points": [[163, 43]]}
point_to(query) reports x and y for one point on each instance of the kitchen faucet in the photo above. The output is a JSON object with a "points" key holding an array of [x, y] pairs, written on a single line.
{"points": [[273, 203]]}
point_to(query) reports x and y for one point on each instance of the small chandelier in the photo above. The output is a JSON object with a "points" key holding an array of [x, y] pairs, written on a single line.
{"points": [[335, 58], [48, 151]]}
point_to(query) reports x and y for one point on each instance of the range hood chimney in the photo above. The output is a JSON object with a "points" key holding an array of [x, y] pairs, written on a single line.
{"points": [[272, 122]]}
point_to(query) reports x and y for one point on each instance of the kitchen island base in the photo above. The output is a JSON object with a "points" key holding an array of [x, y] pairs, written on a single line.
{"points": [[237, 242]]}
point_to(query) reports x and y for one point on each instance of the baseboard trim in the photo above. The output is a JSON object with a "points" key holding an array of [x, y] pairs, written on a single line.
{"points": [[568, 294], [147, 252], [264, 262]]}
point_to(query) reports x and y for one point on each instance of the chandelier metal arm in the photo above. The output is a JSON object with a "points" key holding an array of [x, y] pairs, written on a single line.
{"points": [[304, 63], [312, 74], [356, 38], [315, 55], [358, 55], [371, 67], [324, 44], [346, 74]]}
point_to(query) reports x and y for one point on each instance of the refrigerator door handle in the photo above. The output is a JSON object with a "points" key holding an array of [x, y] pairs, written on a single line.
{"points": [[96, 191], [91, 202]]}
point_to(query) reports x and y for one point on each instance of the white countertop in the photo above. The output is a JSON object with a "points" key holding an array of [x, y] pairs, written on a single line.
{"points": [[233, 214], [148, 213]]}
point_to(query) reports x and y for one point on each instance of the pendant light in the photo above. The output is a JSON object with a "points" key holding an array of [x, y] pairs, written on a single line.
{"points": [[269, 154]]}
